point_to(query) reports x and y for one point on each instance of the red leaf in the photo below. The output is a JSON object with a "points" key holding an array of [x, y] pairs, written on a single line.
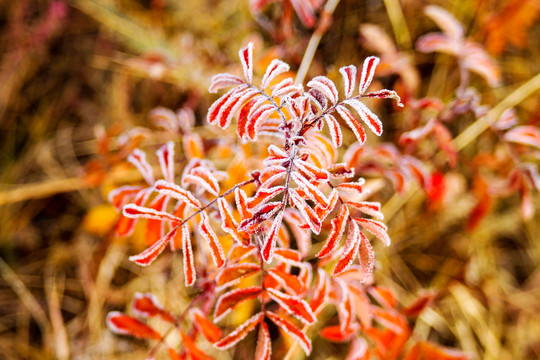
{"points": [[246, 58], [176, 192], [150, 254], [355, 126], [367, 257], [270, 174], [263, 350], [368, 70], [189, 268], [384, 296], [275, 68], [293, 305], [426, 350], [311, 190], [321, 291], [263, 195], [147, 305], [377, 228], [138, 158], [385, 94], [213, 242], [290, 283], [243, 117], [341, 171], [137, 212], [211, 332], [338, 228], [311, 170], [349, 79], [229, 225], [345, 309], [234, 337], [232, 274], [155, 229], [126, 325], [367, 116], [326, 86], [335, 334], [256, 118], [220, 81], [126, 224], [118, 197], [368, 208], [193, 350], [292, 330], [202, 177], [335, 130], [165, 156], [418, 305], [264, 212], [241, 199], [230, 300], [215, 112], [269, 244], [354, 238]]}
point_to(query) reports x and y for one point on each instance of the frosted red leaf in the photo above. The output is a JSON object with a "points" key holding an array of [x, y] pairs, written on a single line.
{"points": [[366, 256], [352, 122], [256, 118], [175, 191], [385, 94], [263, 351], [211, 238], [232, 274], [367, 116], [269, 175], [202, 177], [424, 300], [284, 87], [220, 81], [320, 296], [313, 171], [368, 71], [345, 308], [349, 79], [325, 86], [189, 268], [354, 237], [293, 305], [335, 130], [211, 332], [246, 58], [290, 283], [264, 212], [140, 212], [269, 244], [241, 200], [229, 224], [165, 155], [275, 68], [118, 197], [311, 190], [155, 229], [147, 305], [368, 208], [338, 228], [341, 171], [150, 254], [230, 300], [292, 330], [126, 325], [217, 107], [262, 196], [126, 224], [241, 332], [138, 158], [377, 228]]}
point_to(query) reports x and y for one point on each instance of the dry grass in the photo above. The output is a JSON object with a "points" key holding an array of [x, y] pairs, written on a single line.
{"points": [[60, 277]]}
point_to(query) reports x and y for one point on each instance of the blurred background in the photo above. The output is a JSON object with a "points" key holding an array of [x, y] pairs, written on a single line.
{"points": [[75, 75]]}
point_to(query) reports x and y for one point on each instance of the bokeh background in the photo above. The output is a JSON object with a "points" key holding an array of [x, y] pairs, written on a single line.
{"points": [[76, 74]]}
